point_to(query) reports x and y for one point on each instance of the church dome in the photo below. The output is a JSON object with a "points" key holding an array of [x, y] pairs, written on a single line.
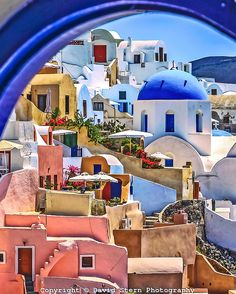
{"points": [[172, 85]]}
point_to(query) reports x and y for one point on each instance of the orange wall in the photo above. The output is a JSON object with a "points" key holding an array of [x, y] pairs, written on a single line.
{"points": [[155, 281], [11, 283], [88, 163], [172, 241], [205, 276], [50, 162]]}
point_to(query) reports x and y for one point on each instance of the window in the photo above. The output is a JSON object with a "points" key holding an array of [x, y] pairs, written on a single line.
{"points": [[165, 56], [42, 102], [213, 91], [67, 104], [170, 121], [2, 257], [87, 261], [41, 184], [169, 163], [48, 183], [137, 58], [29, 97], [85, 108], [55, 182], [122, 95], [161, 54], [156, 56], [185, 68], [199, 122], [143, 64], [98, 106], [5, 160]]}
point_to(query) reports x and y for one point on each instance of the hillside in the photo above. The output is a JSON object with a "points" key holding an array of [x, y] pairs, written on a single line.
{"points": [[222, 68]]}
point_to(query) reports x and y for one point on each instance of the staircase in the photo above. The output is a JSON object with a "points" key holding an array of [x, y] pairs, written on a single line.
{"points": [[53, 259], [58, 253], [29, 284], [150, 221]]}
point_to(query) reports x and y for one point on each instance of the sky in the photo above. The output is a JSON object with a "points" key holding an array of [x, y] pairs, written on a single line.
{"points": [[186, 39]]}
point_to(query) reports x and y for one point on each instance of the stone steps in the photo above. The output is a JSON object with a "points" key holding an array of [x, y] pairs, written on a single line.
{"points": [[150, 220]]}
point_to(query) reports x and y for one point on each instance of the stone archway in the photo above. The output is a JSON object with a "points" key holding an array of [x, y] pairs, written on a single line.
{"points": [[29, 40]]}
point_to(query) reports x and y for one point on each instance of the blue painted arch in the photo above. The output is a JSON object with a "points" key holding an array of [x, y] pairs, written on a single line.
{"points": [[37, 29]]}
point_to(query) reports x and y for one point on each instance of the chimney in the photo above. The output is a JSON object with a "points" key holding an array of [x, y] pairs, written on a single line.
{"points": [[129, 42]]}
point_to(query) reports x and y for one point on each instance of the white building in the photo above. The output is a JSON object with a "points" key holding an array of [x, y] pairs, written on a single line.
{"points": [[104, 45], [172, 103], [142, 59], [175, 108], [214, 88], [123, 94]]}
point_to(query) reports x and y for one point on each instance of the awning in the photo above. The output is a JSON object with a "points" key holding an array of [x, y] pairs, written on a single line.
{"points": [[8, 145]]}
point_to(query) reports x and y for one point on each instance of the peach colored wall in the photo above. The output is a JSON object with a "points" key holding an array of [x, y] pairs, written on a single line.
{"points": [[95, 227], [18, 191], [155, 281], [206, 277], [9, 238], [117, 213], [62, 283], [111, 262], [172, 241], [50, 162], [11, 283], [67, 266], [88, 162]]}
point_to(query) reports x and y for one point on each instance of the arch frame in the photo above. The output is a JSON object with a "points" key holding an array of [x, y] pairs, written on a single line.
{"points": [[37, 39]]}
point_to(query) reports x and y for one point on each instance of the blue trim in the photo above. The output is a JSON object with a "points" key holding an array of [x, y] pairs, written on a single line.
{"points": [[39, 28]]}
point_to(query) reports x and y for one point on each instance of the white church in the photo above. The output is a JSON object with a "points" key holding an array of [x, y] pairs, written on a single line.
{"points": [[174, 107]]}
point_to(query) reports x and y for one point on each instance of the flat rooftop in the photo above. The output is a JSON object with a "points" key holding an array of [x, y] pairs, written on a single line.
{"points": [[155, 265]]}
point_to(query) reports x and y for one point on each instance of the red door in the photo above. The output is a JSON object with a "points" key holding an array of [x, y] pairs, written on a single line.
{"points": [[100, 53], [25, 261]]}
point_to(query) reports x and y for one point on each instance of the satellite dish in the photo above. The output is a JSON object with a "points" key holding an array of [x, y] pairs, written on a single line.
{"points": [[26, 150]]}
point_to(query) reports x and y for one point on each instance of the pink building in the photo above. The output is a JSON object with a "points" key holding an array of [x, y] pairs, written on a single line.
{"points": [[50, 158], [59, 252], [40, 251]]}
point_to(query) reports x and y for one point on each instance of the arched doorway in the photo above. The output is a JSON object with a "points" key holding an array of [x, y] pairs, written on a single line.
{"points": [[144, 121], [27, 47]]}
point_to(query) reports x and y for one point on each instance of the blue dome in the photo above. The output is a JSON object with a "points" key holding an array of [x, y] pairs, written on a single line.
{"points": [[172, 85]]}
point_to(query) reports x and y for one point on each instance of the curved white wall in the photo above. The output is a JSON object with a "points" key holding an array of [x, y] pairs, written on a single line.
{"points": [[182, 151]]}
